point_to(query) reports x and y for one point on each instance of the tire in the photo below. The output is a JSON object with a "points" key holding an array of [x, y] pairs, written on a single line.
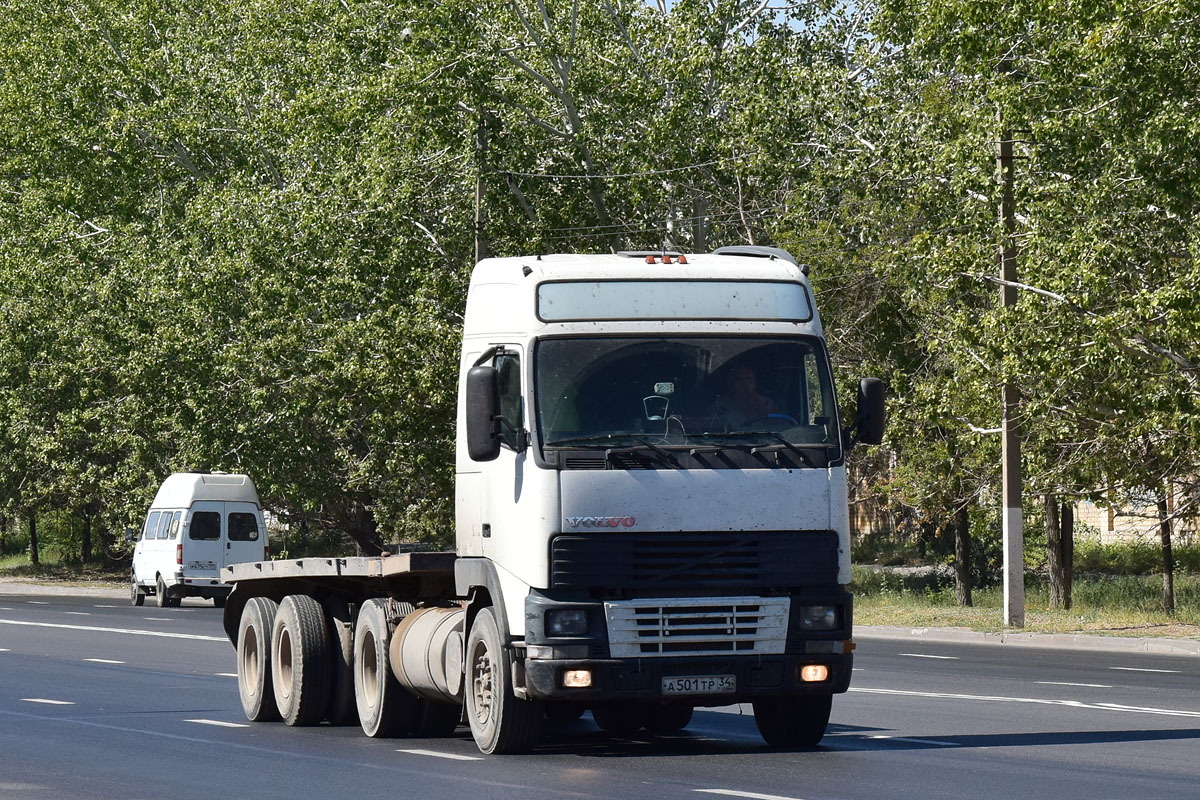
{"points": [[668, 718], [301, 660], [160, 593], [564, 712], [620, 718], [136, 595], [385, 708], [500, 722], [436, 720], [219, 601], [254, 660], [793, 721], [342, 710]]}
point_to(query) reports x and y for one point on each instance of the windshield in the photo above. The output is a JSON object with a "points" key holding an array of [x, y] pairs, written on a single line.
{"points": [[685, 392]]}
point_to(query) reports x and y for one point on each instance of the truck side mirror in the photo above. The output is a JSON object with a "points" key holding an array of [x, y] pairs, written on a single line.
{"points": [[870, 419], [483, 409], [128, 534]]}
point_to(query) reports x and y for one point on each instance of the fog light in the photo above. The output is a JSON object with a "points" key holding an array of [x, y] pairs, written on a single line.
{"points": [[566, 622], [814, 673], [577, 678]]}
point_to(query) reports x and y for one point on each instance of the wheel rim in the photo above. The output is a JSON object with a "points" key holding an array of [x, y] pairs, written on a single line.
{"points": [[285, 663], [483, 685], [133, 592], [250, 661], [370, 669]]}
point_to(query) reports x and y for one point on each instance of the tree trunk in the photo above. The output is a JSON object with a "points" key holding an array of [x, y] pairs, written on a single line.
{"points": [[33, 542], [1067, 544], [1054, 560], [1168, 559], [85, 545], [962, 555]]}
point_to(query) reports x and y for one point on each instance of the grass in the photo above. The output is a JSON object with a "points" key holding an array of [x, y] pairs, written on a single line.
{"points": [[1114, 605], [62, 573]]}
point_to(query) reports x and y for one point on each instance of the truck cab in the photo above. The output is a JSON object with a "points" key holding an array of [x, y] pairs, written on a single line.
{"points": [[651, 486]]}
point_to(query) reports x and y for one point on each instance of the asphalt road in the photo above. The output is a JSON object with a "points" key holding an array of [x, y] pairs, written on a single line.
{"points": [[99, 699]]}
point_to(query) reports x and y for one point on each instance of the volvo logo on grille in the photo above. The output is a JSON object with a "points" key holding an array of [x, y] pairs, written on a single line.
{"points": [[601, 522]]}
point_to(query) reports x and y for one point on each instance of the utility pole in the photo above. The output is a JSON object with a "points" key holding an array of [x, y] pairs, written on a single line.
{"points": [[481, 247], [1014, 545]]}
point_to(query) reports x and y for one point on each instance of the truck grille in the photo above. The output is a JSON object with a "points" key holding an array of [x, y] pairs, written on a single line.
{"points": [[682, 626], [726, 562]]}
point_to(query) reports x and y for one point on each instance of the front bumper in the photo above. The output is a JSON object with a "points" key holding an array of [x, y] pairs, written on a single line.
{"points": [[642, 679]]}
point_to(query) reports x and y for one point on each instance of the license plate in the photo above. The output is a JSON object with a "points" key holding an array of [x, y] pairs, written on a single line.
{"points": [[700, 684]]}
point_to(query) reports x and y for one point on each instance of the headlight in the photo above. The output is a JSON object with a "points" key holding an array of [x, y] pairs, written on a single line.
{"points": [[818, 618], [566, 622]]}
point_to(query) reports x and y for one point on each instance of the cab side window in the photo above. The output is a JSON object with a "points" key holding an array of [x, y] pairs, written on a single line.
{"points": [[151, 529], [243, 527], [206, 526], [508, 367]]}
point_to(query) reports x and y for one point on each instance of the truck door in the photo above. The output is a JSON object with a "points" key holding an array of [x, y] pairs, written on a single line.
{"points": [[245, 534], [203, 543], [505, 475]]}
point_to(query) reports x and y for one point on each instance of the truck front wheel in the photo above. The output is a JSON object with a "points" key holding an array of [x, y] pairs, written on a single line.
{"points": [[301, 660], [500, 721], [254, 660], [793, 721]]}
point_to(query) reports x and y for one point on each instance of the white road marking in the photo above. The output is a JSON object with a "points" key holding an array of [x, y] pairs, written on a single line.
{"points": [[915, 741], [103, 661], [436, 754], [47, 702], [37, 602], [739, 793], [1145, 669], [103, 606], [226, 674], [5, 608], [79, 613], [1085, 685], [924, 655], [158, 619], [132, 631], [4, 650], [218, 723], [1033, 701]]}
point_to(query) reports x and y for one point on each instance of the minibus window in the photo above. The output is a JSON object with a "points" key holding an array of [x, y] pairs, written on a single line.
{"points": [[175, 524], [243, 527], [164, 525], [151, 528], [206, 525]]}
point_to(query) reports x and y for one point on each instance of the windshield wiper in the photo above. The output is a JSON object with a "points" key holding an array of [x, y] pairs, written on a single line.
{"points": [[603, 438], [646, 444]]}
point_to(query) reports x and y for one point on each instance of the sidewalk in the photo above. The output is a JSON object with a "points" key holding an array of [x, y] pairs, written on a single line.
{"points": [[1048, 641]]}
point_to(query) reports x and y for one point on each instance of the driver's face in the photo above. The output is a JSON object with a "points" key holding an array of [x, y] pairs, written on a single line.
{"points": [[741, 381]]}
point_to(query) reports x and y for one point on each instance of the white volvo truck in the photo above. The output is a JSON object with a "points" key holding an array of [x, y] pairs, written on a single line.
{"points": [[651, 516]]}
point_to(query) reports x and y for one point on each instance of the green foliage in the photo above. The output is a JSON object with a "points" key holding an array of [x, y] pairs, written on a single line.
{"points": [[238, 237]]}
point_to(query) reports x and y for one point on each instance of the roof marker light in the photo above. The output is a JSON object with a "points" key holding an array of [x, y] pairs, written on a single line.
{"points": [[682, 259], [666, 259], [650, 260]]}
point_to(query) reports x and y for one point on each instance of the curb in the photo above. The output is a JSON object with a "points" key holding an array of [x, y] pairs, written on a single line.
{"points": [[1046, 641], [10, 586]]}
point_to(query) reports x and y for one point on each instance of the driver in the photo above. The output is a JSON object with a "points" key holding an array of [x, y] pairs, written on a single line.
{"points": [[741, 403]]}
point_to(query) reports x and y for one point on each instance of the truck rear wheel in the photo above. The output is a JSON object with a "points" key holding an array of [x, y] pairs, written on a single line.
{"points": [[621, 718], [500, 722], [436, 720], [385, 708], [300, 660], [793, 721], [343, 709], [668, 718], [254, 660]]}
